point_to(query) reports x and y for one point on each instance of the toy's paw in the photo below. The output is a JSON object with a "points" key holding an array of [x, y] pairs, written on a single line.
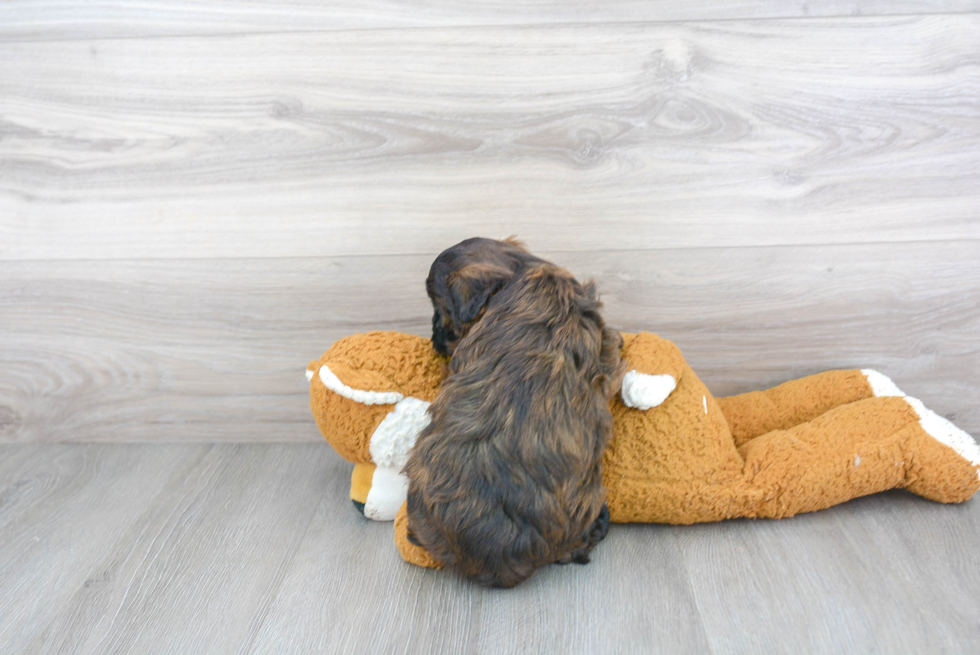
{"points": [[943, 431], [389, 489], [881, 384], [643, 391], [936, 426]]}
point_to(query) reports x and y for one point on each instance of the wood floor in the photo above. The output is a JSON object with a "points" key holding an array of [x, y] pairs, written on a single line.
{"points": [[254, 548], [198, 198]]}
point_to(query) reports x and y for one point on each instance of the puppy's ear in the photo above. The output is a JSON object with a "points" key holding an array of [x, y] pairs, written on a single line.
{"points": [[611, 363], [472, 287]]}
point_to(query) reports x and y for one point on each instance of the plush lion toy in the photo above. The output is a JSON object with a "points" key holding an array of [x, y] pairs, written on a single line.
{"points": [[678, 454]]}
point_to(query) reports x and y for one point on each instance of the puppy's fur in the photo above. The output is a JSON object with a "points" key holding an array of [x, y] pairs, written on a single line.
{"points": [[462, 280], [507, 476]]}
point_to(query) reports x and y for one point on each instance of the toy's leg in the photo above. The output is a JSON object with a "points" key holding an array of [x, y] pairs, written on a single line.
{"points": [[798, 401], [360, 484], [410, 552], [378, 491], [857, 449]]}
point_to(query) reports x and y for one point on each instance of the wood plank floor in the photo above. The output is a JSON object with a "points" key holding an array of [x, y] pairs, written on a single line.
{"points": [[256, 549]]}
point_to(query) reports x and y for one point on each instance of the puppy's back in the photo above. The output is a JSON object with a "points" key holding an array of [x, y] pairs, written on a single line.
{"points": [[507, 476]]}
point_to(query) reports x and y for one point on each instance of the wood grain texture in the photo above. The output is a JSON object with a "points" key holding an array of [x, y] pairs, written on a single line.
{"points": [[57, 20], [62, 507], [844, 579], [204, 350], [626, 136], [562, 609], [198, 570], [256, 549]]}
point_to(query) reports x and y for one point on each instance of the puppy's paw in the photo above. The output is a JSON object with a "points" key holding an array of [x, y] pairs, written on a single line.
{"points": [[577, 556], [600, 527], [596, 533]]}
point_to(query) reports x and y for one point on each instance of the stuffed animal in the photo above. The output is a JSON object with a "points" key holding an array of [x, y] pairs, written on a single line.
{"points": [[678, 454]]}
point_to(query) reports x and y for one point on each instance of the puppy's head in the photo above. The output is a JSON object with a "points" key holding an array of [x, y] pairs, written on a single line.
{"points": [[464, 278]]}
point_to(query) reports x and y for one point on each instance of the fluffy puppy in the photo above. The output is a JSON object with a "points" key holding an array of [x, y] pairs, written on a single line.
{"points": [[507, 476]]}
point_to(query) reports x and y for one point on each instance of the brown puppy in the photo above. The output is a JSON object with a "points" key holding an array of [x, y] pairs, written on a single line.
{"points": [[507, 476]]}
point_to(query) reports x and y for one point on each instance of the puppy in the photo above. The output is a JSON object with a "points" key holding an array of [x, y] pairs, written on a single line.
{"points": [[507, 476]]}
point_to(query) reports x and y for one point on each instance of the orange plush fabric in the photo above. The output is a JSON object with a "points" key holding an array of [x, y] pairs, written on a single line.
{"points": [[804, 445], [375, 361], [410, 552]]}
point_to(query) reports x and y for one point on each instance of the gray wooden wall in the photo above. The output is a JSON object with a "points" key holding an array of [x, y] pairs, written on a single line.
{"points": [[198, 198]]}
